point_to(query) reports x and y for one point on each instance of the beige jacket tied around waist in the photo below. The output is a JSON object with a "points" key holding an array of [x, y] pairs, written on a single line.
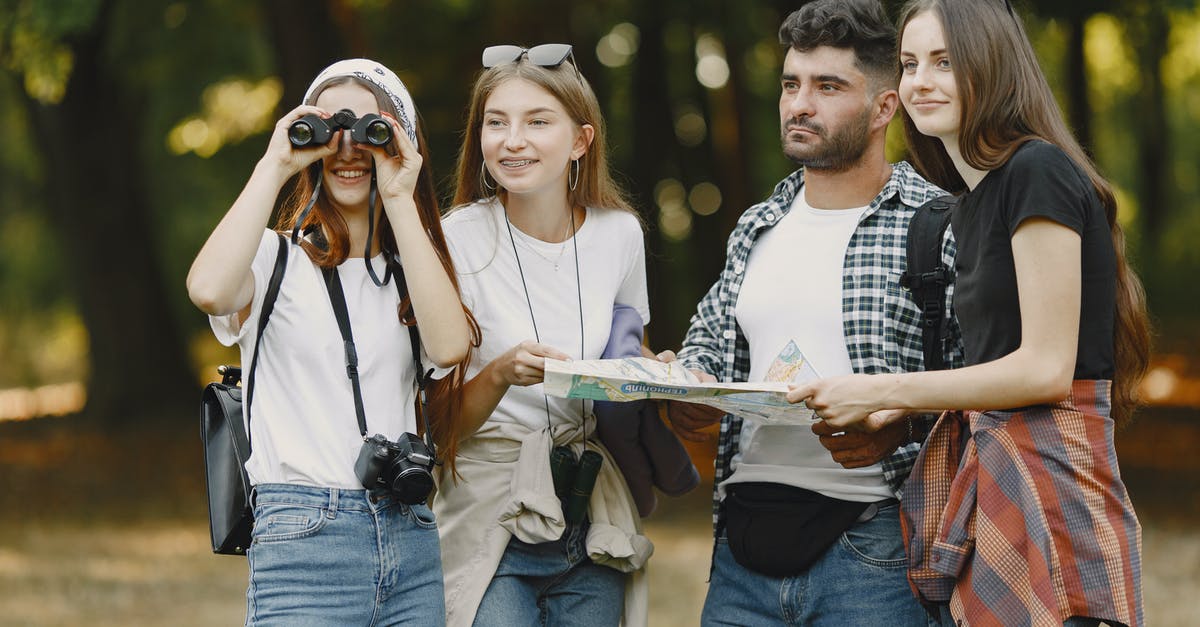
{"points": [[506, 490]]}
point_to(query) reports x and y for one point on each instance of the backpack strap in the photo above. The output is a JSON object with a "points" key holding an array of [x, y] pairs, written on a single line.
{"points": [[268, 306], [927, 277]]}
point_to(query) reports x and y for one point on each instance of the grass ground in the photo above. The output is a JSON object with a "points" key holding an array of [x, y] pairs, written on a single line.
{"points": [[110, 529]]}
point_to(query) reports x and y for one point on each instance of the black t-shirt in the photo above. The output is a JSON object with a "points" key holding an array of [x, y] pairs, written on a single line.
{"points": [[1039, 180]]}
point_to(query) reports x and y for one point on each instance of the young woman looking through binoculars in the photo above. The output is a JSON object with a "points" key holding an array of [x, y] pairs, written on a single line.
{"points": [[324, 547]]}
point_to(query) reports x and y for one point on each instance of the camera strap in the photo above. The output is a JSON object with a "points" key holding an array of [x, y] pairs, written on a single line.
{"points": [[387, 270], [337, 298], [423, 377], [312, 200], [317, 176]]}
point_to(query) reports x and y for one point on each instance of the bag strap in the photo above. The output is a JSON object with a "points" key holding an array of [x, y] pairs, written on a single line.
{"points": [[927, 277], [337, 298], [268, 306]]}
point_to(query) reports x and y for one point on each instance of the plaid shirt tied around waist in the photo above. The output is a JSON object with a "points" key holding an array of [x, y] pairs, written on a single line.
{"points": [[881, 322], [1020, 517]]}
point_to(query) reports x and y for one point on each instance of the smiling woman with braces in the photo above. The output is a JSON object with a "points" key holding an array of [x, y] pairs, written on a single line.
{"points": [[546, 246]]}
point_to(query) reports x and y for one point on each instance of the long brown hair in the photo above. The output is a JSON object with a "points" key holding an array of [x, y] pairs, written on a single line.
{"points": [[596, 187], [445, 399], [1005, 101]]}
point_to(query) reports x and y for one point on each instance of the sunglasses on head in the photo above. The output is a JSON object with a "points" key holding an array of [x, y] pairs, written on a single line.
{"points": [[545, 55]]}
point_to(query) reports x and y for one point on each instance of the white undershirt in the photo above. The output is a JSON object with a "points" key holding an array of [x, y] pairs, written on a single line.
{"points": [[304, 429], [793, 292]]}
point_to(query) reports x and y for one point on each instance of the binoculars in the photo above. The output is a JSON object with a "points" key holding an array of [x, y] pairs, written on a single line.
{"points": [[574, 480], [313, 130]]}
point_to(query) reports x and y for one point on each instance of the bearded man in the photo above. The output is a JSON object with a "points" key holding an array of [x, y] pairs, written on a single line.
{"points": [[806, 520]]}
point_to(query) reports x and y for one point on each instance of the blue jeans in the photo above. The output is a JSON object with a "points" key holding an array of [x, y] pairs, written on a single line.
{"points": [[552, 583], [326, 556], [859, 580]]}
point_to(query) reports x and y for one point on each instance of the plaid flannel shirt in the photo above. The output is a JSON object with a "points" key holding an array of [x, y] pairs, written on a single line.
{"points": [[880, 320], [1027, 521]]}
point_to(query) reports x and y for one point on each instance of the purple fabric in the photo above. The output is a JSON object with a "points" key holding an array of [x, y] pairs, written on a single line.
{"points": [[646, 451]]}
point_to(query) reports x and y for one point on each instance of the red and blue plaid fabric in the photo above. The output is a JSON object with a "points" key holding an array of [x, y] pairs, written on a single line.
{"points": [[1020, 517]]}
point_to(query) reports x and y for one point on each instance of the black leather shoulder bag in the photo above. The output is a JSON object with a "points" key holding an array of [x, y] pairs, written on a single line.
{"points": [[227, 439]]}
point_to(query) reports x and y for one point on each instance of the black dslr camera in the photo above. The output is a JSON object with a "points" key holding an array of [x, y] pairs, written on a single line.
{"points": [[403, 467], [313, 130]]}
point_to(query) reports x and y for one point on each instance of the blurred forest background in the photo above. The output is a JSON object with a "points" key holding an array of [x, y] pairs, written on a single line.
{"points": [[130, 126]]}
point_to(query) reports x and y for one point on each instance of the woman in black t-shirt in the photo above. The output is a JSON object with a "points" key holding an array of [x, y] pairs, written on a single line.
{"points": [[1015, 510]]}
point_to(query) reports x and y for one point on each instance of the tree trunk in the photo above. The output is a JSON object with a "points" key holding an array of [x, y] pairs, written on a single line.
{"points": [[731, 155], [653, 146], [305, 39], [95, 190], [1079, 113], [1154, 141]]}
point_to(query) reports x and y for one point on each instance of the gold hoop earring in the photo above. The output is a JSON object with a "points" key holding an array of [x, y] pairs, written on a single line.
{"points": [[483, 177], [573, 175]]}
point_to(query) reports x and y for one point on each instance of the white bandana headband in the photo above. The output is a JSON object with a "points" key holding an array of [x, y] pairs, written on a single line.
{"points": [[375, 73]]}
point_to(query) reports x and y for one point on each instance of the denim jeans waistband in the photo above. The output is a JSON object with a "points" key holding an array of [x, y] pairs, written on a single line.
{"points": [[336, 499]]}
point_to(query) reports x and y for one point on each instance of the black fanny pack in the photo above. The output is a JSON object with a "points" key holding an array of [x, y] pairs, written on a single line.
{"points": [[780, 530]]}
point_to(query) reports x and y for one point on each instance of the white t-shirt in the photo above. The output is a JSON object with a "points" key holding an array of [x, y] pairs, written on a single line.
{"points": [[612, 269], [793, 292], [303, 428]]}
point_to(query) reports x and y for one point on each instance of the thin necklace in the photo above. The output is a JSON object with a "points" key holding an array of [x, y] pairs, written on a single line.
{"points": [[570, 233], [529, 303]]}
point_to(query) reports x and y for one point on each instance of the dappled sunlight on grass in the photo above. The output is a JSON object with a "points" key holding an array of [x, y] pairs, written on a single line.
{"points": [[678, 572], [154, 573], [123, 556], [1171, 574]]}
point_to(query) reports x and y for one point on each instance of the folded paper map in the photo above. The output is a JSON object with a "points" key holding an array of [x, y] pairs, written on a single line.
{"points": [[638, 378]]}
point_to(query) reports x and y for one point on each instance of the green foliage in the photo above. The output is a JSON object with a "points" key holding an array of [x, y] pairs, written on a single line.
{"points": [[35, 312], [32, 44], [663, 123]]}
